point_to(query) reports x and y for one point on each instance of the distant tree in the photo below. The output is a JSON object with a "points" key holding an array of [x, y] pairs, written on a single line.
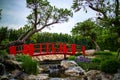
{"points": [[42, 15], [108, 12], [0, 13], [87, 29]]}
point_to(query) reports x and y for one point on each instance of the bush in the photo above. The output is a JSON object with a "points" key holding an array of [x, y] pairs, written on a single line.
{"points": [[110, 66], [103, 53], [96, 60], [89, 66], [28, 65], [72, 58], [20, 57]]}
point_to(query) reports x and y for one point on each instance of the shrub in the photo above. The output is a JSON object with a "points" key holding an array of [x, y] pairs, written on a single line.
{"points": [[28, 65], [103, 53], [89, 66], [96, 60], [72, 58], [110, 66], [20, 57], [4, 53]]}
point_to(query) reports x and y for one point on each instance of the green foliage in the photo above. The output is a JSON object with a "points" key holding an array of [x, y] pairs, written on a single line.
{"points": [[3, 53], [72, 58], [103, 53], [110, 66], [89, 66], [29, 66], [96, 60], [87, 29], [78, 54]]}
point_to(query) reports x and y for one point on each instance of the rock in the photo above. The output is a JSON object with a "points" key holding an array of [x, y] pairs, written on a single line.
{"points": [[116, 76], [97, 75], [16, 73], [38, 77], [59, 79], [12, 65], [4, 77], [40, 69], [2, 69], [90, 52], [75, 71], [106, 50], [66, 64]]}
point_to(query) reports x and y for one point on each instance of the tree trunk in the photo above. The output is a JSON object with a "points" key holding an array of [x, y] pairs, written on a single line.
{"points": [[96, 45]]}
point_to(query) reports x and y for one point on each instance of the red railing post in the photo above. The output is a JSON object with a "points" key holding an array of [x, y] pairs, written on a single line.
{"points": [[53, 48], [47, 48], [65, 48], [73, 49], [25, 49], [12, 50], [83, 50], [61, 48], [31, 49], [40, 48]]}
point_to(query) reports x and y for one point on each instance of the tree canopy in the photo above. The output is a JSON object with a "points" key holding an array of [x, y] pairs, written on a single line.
{"points": [[87, 29], [108, 11], [42, 15]]}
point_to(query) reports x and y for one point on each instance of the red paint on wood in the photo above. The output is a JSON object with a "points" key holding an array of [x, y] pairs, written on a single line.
{"points": [[31, 49], [65, 48], [83, 50], [73, 48], [53, 48], [40, 48], [47, 48], [25, 48], [12, 50], [61, 48]]}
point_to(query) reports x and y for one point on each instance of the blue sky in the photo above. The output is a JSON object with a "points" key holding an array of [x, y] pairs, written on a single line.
{"points": [[14, 15]]}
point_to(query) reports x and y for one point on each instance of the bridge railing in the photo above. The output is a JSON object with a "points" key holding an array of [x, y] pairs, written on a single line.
{"points": [[46, 49]]}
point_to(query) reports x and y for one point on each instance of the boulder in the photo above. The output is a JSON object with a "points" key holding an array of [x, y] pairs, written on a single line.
{"points": [[60, 79], [66, 64], [4, 77], [74, 71], [90, 52], [38, 77], [116, 76], [2, 69], [16, 73], [97, 75], [12, 65]]}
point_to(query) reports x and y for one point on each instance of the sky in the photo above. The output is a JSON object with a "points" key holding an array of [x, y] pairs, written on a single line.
{"points": [[14, 13]]}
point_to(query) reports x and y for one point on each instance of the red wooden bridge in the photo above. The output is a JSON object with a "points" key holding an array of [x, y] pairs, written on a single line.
{"points": [[47, 49]]}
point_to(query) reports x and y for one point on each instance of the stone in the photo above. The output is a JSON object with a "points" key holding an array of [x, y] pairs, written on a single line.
{"points": [[106, 50], [38, 77], [12, 65], [74, 71], [90, 52], [67, 63], [97, 75], [4, 77], [116, 76], [59, 79], [2, 69], [40, 69], [16, 73]]}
